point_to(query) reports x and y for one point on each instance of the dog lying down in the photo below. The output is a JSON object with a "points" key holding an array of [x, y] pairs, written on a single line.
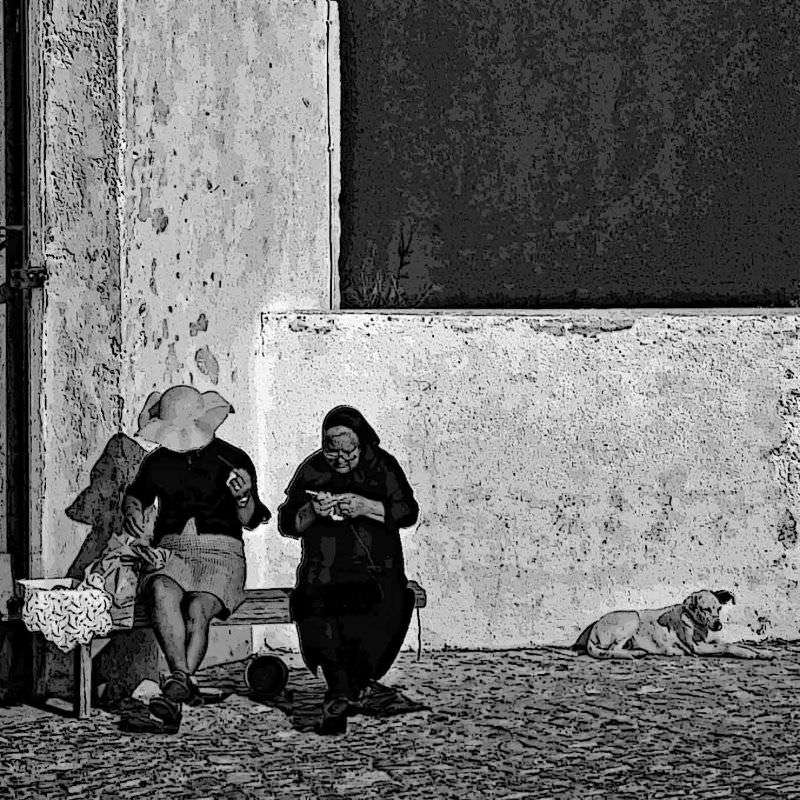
{"points": [[679, 630]]}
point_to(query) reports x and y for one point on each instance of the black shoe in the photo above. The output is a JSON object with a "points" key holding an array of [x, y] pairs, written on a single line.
{"points": [[167, 711], [331, 726], [195, 698], [177, 687], [334, 717]]}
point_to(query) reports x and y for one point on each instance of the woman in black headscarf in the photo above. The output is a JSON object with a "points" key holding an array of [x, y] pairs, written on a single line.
{"points": [[352, 605]]}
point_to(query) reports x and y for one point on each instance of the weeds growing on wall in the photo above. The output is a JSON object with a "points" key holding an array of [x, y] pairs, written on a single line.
{"points": [[376, 287]]}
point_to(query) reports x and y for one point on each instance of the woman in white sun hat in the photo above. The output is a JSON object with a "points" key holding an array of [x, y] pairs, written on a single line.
{"points": [[207, 493]]}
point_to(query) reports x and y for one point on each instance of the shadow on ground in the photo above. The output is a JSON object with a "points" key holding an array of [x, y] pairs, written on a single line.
{"points": [[300, 702]]}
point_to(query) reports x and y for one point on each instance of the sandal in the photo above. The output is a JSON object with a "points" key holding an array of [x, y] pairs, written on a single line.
{"points": [[167, 712], [195, 699], [178, 687]]}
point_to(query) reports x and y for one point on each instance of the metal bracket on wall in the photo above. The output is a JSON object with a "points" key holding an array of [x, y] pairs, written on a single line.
{"points": [[27, 276], [31, 277]]}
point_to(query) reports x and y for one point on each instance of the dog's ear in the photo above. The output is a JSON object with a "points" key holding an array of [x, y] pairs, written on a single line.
{"points": [[725, 596], [691, 601]]}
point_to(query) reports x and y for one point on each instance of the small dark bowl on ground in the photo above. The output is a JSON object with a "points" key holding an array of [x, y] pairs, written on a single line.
{"points": [[266, 677]]}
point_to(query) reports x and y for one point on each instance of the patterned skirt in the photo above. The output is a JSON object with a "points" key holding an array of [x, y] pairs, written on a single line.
{"points": [[205, 562]]}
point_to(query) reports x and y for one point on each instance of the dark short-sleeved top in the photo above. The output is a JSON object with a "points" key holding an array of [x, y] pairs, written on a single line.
{"points": [[193, 484], [353, 545]]}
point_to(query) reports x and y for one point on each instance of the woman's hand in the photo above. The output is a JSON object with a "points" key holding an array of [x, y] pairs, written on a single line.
{"points": [[145, 556], [324, 504], [354, 505], [240, 485]]}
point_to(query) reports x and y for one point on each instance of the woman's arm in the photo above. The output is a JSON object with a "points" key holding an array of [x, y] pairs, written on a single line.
{"points": [[354, 505], [243, 484], [375, 509], [295, 514], [399, 508], [402, 509], [133, 516], [304, 518], [295, 518], [246, 511], [302, 505], [249, 509]]}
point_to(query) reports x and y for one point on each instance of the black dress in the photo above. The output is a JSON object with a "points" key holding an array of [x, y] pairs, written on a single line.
{"points": [[352, 604]]}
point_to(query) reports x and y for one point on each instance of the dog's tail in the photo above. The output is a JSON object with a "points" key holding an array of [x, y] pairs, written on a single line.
{"points": [[582, 642]]}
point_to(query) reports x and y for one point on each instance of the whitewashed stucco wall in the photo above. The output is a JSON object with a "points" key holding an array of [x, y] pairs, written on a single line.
{"points": [[80, 400], [226, 193], [565, 465], [183, 189], [226, 211]]}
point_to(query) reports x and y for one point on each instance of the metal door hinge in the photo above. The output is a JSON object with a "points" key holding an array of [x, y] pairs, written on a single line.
{"points": [[32, 276]]}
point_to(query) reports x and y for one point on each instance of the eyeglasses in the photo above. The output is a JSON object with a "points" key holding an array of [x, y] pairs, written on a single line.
{"points": [[346, 454]]}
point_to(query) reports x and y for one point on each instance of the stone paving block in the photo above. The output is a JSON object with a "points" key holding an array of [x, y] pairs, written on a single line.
{"points": [[648, 729]]}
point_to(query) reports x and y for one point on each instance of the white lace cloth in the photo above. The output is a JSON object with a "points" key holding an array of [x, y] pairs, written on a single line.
{"points": [[68, 617]]}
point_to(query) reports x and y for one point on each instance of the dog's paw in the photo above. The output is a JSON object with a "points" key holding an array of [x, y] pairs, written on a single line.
{"points": [[767, 656], [758, 655]]}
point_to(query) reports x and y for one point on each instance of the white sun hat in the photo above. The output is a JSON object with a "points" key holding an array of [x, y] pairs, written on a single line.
{"points": [[182, 418]]}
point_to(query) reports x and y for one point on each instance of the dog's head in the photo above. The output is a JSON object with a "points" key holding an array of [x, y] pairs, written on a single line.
{"points": [[704, 607]]}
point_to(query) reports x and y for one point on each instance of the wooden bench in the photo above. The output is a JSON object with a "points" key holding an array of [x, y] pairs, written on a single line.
{"points": [[260, 607]]}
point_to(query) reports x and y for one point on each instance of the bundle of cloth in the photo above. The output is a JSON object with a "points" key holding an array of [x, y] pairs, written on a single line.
{"points": [[120, 568], [104, 599]]}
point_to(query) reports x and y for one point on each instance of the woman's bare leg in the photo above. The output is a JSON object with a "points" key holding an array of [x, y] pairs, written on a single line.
{"points": [[202, 608], [168, 622]]}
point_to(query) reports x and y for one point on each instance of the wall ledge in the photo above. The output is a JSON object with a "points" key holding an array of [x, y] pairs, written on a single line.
{"points": [[582, 313]]}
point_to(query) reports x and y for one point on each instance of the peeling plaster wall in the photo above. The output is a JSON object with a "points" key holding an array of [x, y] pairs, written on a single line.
{"points": [[226, 200], [226, 188], [185, 189], [185, 170], [565, 465], [80, 404]]}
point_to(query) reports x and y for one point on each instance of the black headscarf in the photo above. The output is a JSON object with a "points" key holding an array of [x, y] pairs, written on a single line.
{"points": [[351, 418]]}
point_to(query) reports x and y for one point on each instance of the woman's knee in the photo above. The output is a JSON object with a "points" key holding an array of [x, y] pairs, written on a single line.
{"points": [[162, 589], [201, 610]]}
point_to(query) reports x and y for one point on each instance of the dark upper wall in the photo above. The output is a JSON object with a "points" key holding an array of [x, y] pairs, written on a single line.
{"points": [[629, 152]]}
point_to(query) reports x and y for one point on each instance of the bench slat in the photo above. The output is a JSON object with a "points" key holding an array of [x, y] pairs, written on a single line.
{"points": [[265, 607]]}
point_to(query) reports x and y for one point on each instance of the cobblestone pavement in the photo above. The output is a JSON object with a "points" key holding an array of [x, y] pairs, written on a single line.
{"points": [[522, 724]]}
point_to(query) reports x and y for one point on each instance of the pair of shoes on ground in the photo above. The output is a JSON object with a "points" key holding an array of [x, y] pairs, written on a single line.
{"points": [[336, 710], [177, 689]]}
